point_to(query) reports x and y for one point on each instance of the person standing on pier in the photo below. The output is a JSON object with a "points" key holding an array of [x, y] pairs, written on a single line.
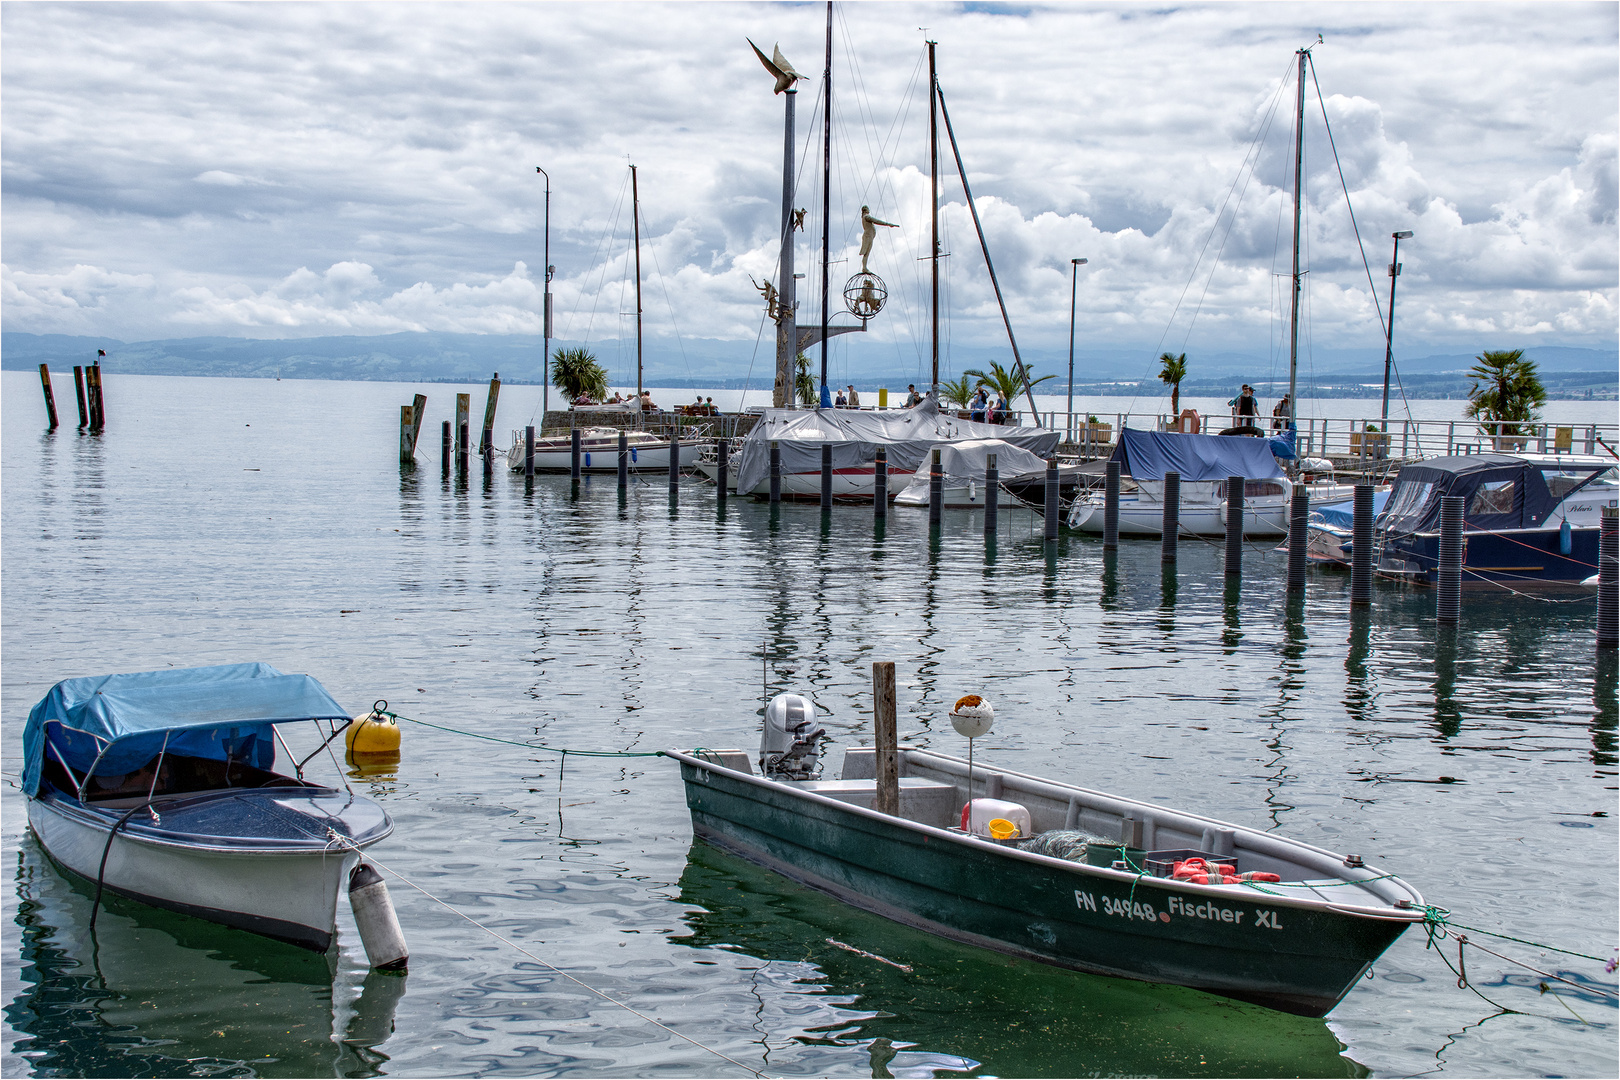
{"points": [[1245, 405], [854, 398]]}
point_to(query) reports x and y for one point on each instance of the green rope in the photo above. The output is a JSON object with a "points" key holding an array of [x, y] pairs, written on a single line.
{"points": [[529, 746], [1437, 917]]}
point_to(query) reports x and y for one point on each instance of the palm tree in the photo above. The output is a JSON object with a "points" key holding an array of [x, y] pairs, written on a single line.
{"points": [[804, 384], [956, 391], [1172, 370], [575, 372], [1506, 392], [1005, 382]]}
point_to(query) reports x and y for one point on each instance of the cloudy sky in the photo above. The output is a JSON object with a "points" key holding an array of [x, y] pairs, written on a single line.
{"points": [[286, 170]]}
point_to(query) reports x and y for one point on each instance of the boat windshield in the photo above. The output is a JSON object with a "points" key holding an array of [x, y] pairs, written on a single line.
{"points": [[1561, 480], [1408, 499]]}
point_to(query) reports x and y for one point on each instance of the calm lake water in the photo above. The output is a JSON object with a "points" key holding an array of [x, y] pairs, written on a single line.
{"points": [[229, 520]]}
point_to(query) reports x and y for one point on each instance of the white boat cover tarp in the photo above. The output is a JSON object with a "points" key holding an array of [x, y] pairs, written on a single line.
{"points": [[962, 462], [855, 435]]}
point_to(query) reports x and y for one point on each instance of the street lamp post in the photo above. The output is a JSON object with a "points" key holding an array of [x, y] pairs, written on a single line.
{"points": [[1074, 285], [1389, 329], [545, 315]]}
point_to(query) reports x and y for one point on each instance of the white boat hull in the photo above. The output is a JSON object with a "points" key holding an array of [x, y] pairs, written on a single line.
{"points": [[848, 484], [602, 456], [1146, 519], [287, 895]]}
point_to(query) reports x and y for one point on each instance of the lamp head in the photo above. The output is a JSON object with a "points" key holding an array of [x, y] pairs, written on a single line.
{"points": [[1078, 262], [1403, 235]]}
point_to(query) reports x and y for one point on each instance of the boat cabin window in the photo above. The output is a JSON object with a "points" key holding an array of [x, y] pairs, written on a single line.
{"points": [[1408, 499], [1561, 482], [1493, 497]]}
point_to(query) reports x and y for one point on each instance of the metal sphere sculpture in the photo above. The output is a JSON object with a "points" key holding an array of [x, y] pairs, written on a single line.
{"points": [[865, 295]]}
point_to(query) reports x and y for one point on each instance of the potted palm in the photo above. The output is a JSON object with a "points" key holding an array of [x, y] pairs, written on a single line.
{"points": [[1506, 396], [577, 374], [1003, 381], [957, 392]]}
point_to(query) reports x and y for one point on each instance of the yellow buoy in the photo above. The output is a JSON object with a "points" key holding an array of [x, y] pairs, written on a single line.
{"points": [[373, 733]]}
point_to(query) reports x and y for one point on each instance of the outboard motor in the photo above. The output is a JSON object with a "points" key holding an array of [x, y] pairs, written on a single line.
{"points": [[787, 747]]}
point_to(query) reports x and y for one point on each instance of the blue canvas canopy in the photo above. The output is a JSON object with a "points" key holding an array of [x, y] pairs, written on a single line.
{"points": [[117, 723], [1342, 514], [1148, 455], [1501, 492]]}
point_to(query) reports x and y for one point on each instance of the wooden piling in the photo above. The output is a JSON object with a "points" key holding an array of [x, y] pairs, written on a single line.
{"points": [[1361, 551], [1234, 526], [463, 418], [722, 454], [487, 439], [776, 472], [418, 407], [624, 460], [92, 386], [1051, 510], [1111, 506], [992, 495], [488, 454], [406, 456], [880, 484], [1608, 595], [1170, 524], [528, 452], [1448, 594], [573, 453], [675, 464], [936, 490], [826, 476], [444, 449], [887, 739], [78, 389], [1299, 515], [50, 398]]}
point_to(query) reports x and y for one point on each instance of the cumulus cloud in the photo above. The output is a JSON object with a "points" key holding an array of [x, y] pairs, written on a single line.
{"points": [[192, 169]]}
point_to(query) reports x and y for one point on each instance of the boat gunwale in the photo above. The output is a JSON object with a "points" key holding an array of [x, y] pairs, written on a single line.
{"points": [[1386, 913], [104, 820]]}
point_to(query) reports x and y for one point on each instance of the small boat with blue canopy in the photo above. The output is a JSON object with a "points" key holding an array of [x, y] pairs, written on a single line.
{"points": [[161, 786], [1528, 519]]}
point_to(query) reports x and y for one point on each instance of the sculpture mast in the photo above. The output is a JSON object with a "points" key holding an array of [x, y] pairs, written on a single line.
{"points": [[787, 344], [826, 204], [635, 217], [933, 202], [1299, 160]]}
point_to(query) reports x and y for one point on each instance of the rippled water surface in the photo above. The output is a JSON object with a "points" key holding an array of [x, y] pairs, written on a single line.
{"points": [[225, 520]]}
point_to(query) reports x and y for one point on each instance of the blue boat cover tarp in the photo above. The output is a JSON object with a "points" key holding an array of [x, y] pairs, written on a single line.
{"points": [[1148, 455], [216, 713], [1342, 514]]}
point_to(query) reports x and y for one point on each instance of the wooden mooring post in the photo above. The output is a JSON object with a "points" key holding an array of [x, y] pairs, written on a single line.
{"points": [[50, 398], [418, 408], [887, 739], [463, 416], [1234, 526], [444, 449], [487, 439], [406, 455], [78, 390], [1170, 523], [98, 402]]}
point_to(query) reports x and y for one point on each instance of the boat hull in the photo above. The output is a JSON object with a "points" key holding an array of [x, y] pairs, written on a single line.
{"points": [[1292, 959], [1516, 558], [289, 895], [1147, 519], [647, 457]]}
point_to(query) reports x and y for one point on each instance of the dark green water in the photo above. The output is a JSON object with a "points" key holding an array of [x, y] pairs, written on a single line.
{"points": [[225, 520]]}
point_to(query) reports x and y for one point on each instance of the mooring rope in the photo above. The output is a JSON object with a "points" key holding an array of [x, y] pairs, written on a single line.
{"points": [[564, 751], [342, 841]]}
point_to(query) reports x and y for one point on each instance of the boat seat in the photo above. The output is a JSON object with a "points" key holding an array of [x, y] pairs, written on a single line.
{"points": [[927, 802]]}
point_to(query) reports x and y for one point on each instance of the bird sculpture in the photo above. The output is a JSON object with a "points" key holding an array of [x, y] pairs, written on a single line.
{"points": [[777, 65]]}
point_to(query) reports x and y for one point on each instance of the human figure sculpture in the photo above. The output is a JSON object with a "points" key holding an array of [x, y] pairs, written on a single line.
{"points": [[869, 226]]}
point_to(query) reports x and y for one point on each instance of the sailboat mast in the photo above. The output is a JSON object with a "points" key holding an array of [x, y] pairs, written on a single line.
{"points": [[635, 217], [787, 331], [1299, 161], [826, 203], [933, 203]]}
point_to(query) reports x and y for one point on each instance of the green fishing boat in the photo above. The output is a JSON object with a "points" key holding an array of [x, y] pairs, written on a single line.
{"points": [[1285, 924]]}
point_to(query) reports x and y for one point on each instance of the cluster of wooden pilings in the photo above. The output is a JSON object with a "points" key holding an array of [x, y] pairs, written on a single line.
{"points": [[87, 388]]}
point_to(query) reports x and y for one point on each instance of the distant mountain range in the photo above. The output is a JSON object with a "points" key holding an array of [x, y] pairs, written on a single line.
{"points": [[445, 357]]}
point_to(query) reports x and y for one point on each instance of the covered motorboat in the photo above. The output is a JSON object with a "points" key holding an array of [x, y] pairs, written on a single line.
{"points": [[1050, 871], [1204, 463], [962, 466], [160, 786], [1528, 519], [907, 435]]}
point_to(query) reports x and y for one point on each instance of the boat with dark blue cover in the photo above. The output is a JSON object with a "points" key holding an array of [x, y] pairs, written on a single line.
{"points": [[1528, 519], [161, 786]]}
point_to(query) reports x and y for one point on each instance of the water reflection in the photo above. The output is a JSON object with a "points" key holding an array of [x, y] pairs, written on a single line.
{"points": [[1447, 714], [153, 993], [846, 1014]]}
